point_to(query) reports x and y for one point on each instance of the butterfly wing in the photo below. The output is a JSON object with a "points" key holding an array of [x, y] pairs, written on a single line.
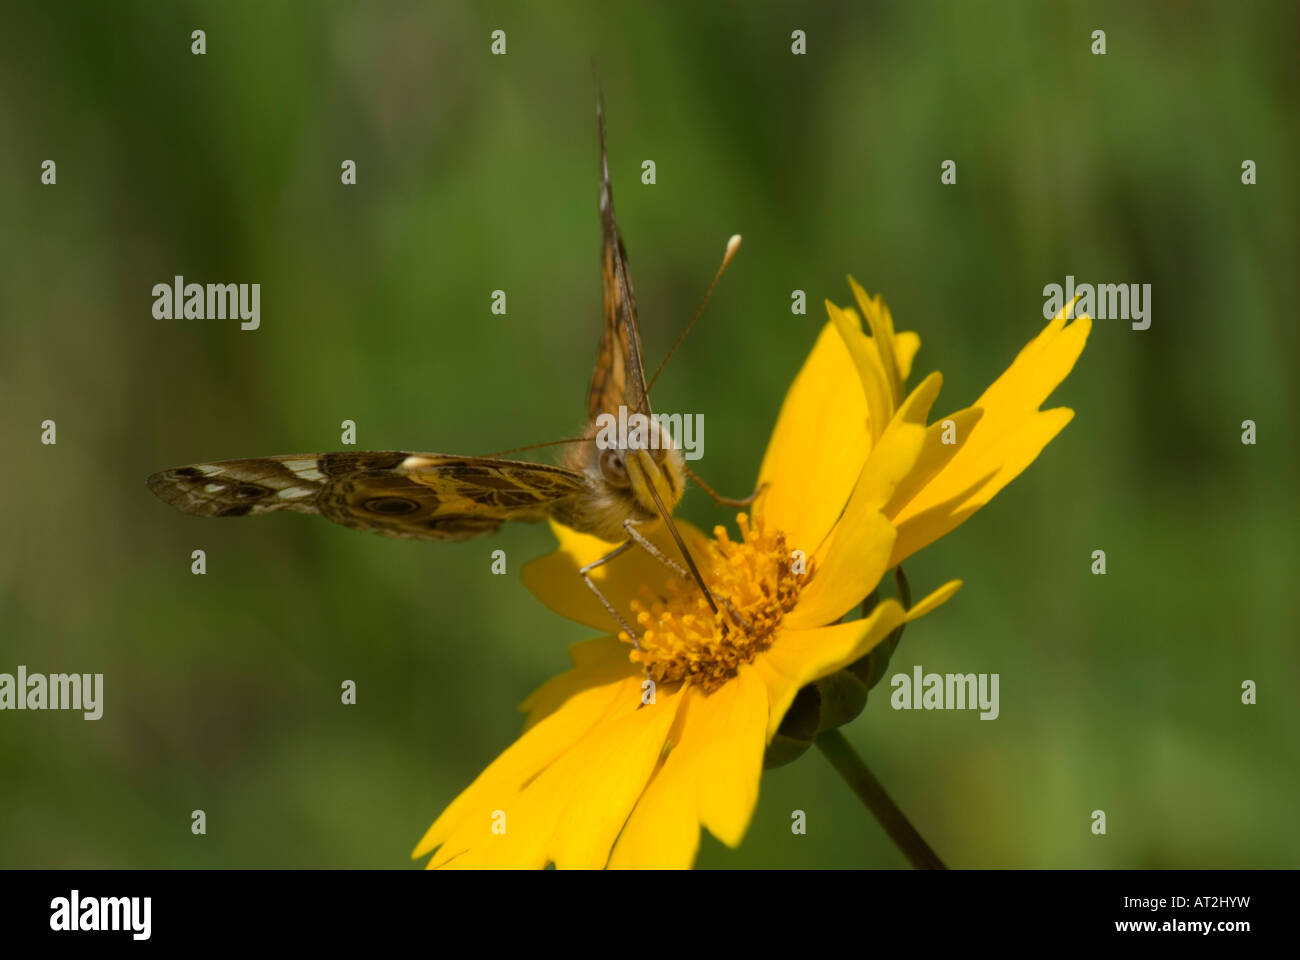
{"points": [[619, 377], [420, 496]]}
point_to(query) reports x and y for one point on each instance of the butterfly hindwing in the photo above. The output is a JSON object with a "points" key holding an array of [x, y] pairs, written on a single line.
{"points": [[421, 496]]}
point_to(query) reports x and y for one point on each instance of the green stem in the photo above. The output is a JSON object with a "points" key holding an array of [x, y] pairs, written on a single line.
{"points": [[855, 773]]}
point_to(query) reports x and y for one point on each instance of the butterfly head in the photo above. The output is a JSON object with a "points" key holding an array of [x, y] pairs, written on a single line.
{"points": [[632, 477], [649, 473]]}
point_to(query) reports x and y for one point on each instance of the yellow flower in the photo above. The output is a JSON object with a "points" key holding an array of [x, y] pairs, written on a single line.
{"points": [[989, 443], [856, 482]]}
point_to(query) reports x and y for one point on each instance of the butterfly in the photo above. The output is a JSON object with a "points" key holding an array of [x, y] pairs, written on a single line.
{"points": [[607, 491]]}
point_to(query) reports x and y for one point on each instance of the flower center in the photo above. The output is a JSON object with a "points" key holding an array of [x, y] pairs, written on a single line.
{"points": [[681, 637]]}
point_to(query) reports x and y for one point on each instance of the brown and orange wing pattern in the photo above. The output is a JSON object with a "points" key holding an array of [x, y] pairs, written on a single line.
{"points": [[619, 377], [420, 496]]}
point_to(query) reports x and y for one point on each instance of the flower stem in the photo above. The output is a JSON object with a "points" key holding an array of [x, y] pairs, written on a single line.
{"points": [[855, 773]]}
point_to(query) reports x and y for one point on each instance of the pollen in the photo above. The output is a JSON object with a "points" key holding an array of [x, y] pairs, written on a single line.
{"points": [[754, 580]]}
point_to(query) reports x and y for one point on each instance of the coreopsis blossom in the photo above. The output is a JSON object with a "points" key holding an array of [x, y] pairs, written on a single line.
{"points": [[628, 754]]}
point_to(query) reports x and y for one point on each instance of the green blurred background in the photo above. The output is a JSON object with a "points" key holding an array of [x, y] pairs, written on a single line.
{"points": [[477, 172]]}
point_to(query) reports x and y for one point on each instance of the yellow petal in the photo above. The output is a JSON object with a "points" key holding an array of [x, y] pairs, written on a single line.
{"points": [[1004, 460], [916, 408], [532, 752], [906, 344], [861, 543], [935, 599], [663, 830], [818, 446], [601, 788], [868, 366], [1009, 434], [799, 657], [935, 455], [894, 456], [882, 333], [850, 569], [883, 359], [554, 578], [709, 778], [597, 662], [571, 813], [725, 738]]}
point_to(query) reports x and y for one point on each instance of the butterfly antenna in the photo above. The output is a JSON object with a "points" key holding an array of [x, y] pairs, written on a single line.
{"points": [[732, 246], [606, 198], [537, 446]]}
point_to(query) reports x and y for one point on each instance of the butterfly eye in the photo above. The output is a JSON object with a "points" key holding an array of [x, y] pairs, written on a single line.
{"points": [[611, 465]]}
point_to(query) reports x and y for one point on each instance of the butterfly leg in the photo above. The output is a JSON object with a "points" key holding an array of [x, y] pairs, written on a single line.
{"points": [[585, 571], [645, 544], [719, 498], [617, 551]]}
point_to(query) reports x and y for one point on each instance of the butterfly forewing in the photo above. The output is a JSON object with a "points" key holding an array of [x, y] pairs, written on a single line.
{"points": [[420, 496], [619, 377]]}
